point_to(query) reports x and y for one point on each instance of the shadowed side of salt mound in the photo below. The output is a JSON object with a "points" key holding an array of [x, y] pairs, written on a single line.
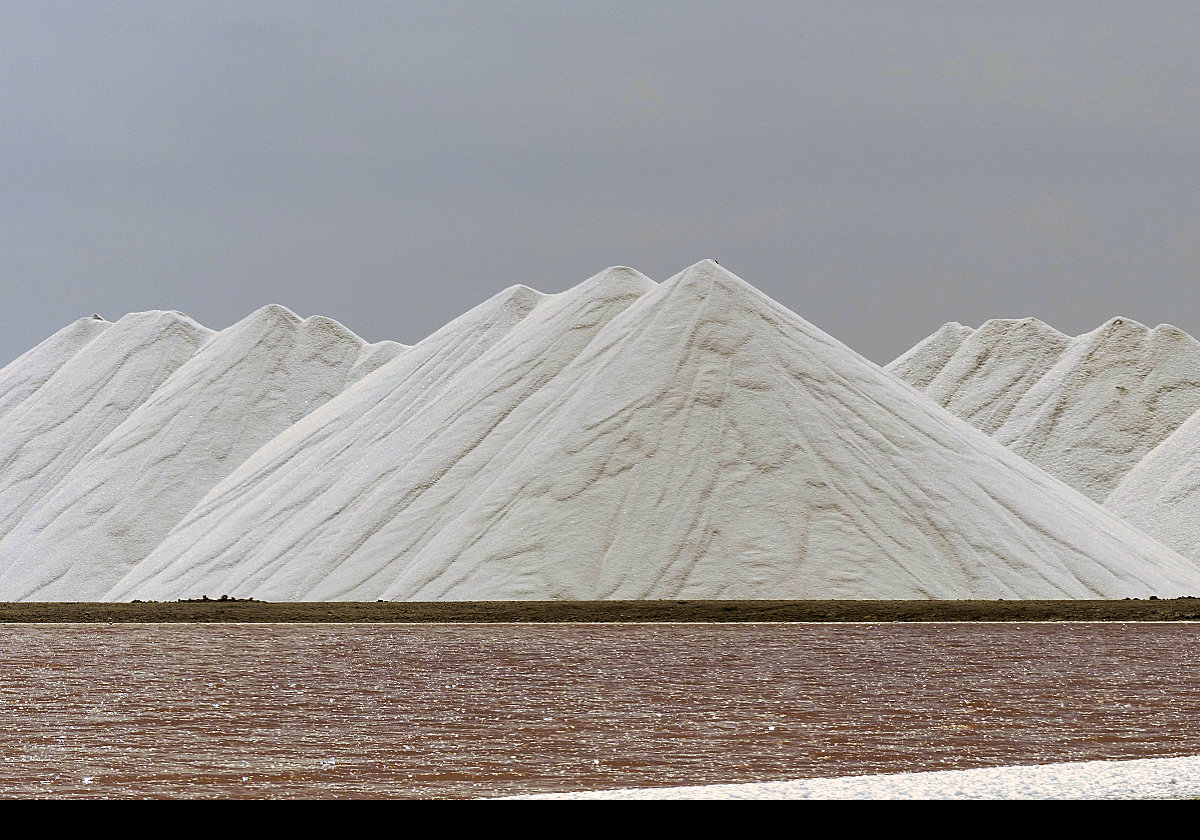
{"points": [[246, 385], [89, 396], [994, 367], [252, 497], [924, 360], [1161, 494], [22, 377], [314, 529], [1110, 398], [374, 356], [706, 443]]}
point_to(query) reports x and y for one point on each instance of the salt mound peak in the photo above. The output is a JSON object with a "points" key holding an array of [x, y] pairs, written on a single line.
{"points": [[246, 385], [22, 377], [703, 442], [1114, 394], [85, 399]]}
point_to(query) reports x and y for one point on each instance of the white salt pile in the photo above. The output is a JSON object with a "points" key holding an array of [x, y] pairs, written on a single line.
{"points": [[47, 434], [1151, 778], [691, 440], [367, 414], [19, 379], [391, 472], [1084, 409], [249, 383]]}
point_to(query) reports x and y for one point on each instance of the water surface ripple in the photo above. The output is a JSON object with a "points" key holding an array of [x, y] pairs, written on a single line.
{"points": [[487, 710]]}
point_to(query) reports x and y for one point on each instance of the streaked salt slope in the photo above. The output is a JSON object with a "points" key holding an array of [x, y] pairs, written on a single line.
{"points": [[1150, 778], [1085, 409], [1161, 494], [20, 378], [90, 395], [926, 359], [704, 443], [248, 384]]}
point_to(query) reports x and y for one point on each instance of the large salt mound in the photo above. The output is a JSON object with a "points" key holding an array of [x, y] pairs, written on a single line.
{"points": [[247, 384], [1161, 495], [20, 378], [386, 398], [994, 367], [1112, 396], [44, 437], [269, 526], [706, 443], [926, 359]]}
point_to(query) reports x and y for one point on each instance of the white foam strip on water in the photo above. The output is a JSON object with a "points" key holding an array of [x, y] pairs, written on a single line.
{"points": [[1150, 778]]}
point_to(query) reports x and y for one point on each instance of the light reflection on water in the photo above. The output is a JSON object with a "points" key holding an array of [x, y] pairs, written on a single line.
{"points": [[489, 710]]}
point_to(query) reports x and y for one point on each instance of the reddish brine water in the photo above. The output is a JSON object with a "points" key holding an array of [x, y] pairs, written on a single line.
{"points": [[488, 710]]}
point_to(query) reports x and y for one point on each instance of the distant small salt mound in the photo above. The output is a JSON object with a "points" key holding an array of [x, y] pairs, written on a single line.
{"points": [[249, 383], [20, 378], [89, 396], [690, 440], [994, 367], [1161, 494], [1113, 395], [926, 359]]}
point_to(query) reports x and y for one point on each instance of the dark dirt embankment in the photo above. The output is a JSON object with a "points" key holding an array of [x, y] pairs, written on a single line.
{"points": [[1180, 609]]}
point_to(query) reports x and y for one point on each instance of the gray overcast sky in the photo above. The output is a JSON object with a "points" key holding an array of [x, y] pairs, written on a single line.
{"points": [[879, 168]]}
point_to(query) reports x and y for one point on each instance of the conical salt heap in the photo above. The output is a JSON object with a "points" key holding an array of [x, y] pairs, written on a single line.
{"points": [[249, 383], [47, 434], [703, 443]]}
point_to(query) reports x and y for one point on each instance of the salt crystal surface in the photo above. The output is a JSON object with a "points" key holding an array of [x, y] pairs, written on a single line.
{"points": [[1151, 778], [703, 443]]}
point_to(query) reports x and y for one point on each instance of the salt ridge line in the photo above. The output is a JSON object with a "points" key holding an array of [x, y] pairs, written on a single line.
{"points": [[295, 543], [706, 443], [248, 383], [89, 396], [388, 397], [22, 377]]}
